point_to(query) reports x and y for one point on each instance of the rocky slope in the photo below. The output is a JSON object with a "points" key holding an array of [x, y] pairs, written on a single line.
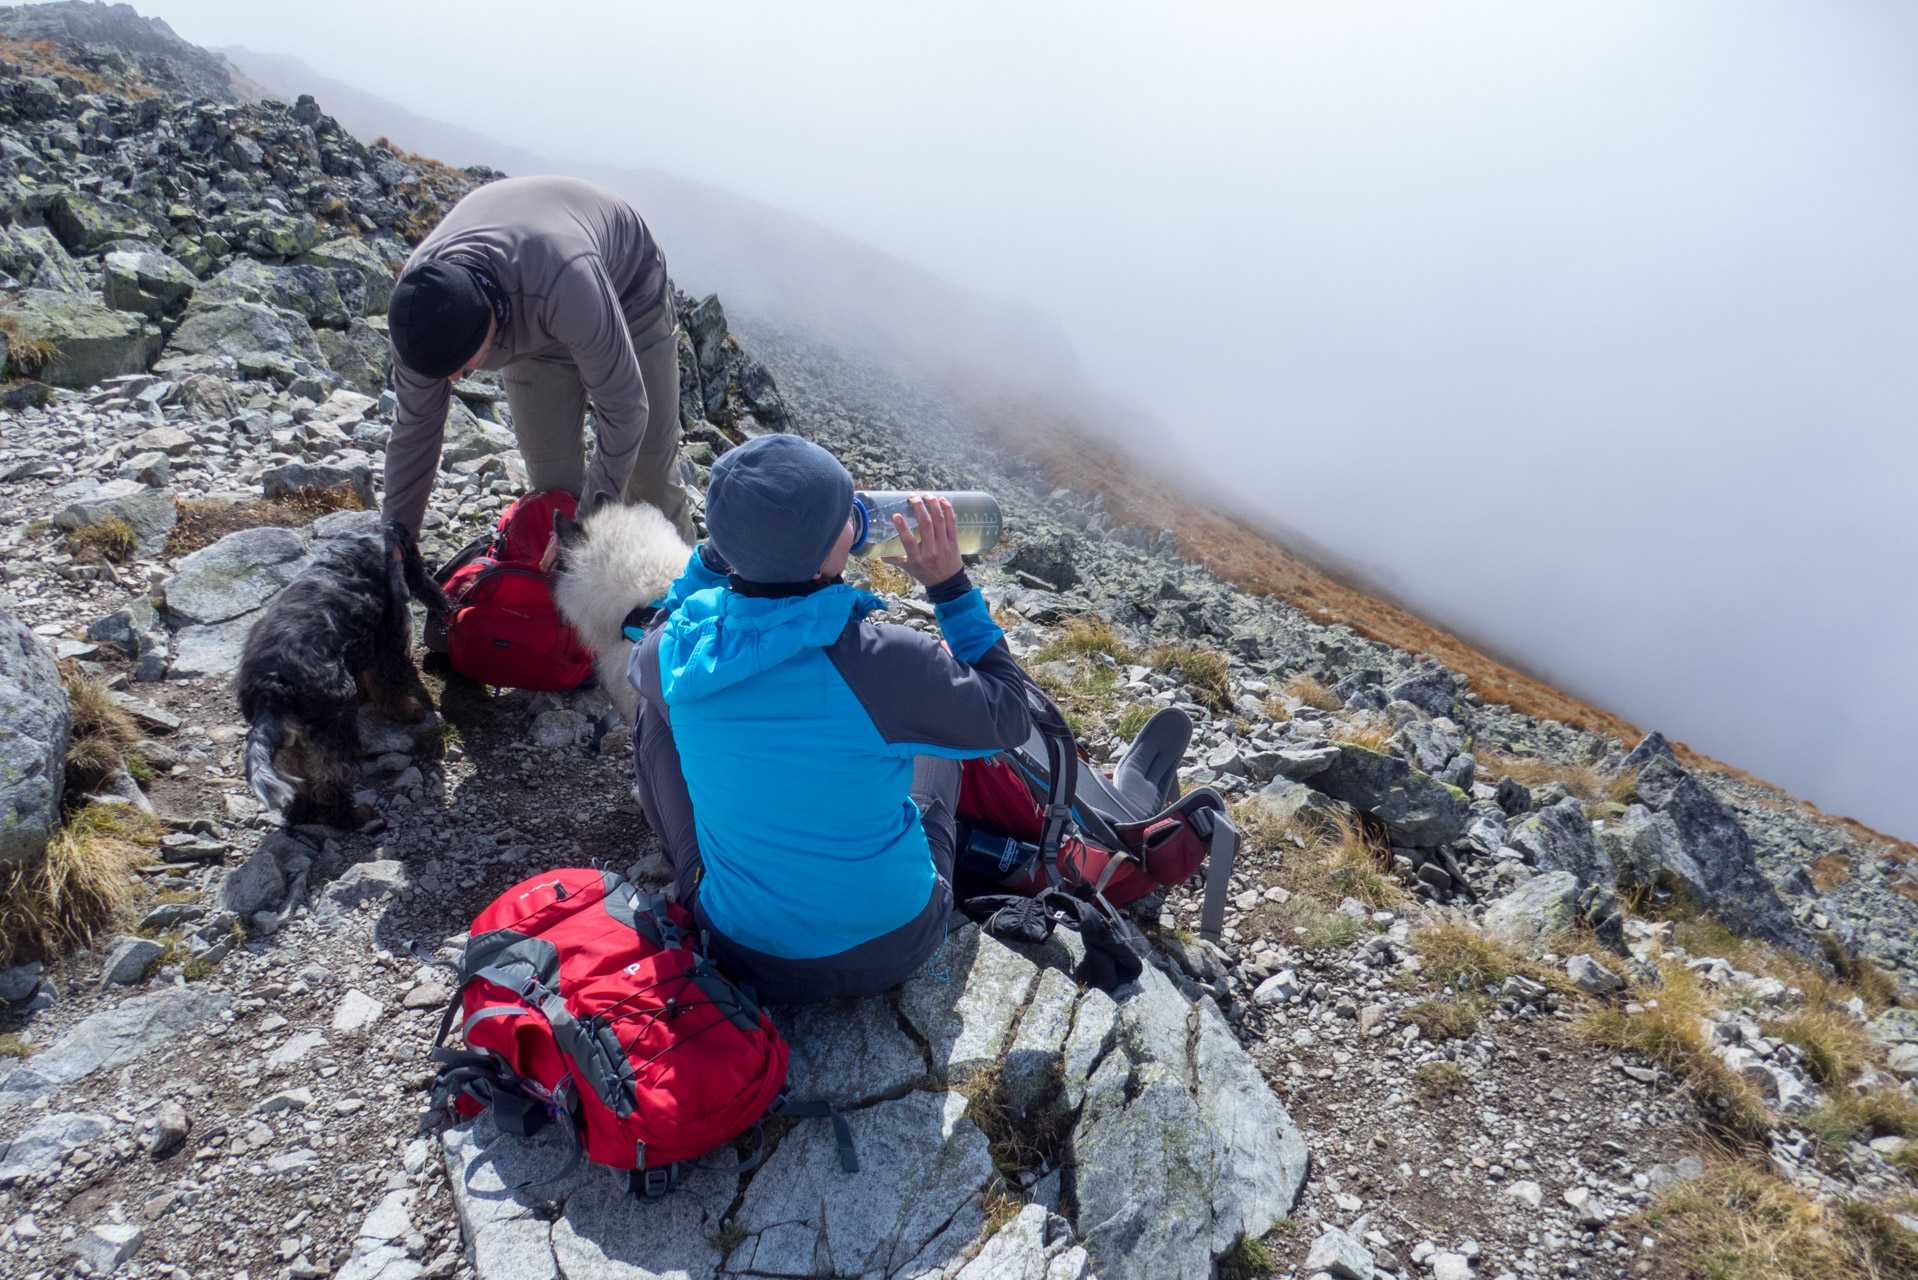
{"points": [[1449, 930]]}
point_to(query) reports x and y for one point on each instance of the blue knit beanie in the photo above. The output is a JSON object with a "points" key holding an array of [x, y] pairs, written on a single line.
{"points": [[775, 507]]}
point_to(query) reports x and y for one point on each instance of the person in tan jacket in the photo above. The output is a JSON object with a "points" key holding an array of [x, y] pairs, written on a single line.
{"points": [[559, 285]]}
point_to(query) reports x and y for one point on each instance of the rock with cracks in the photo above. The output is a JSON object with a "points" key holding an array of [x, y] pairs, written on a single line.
{"points": [[1177, 1145]]}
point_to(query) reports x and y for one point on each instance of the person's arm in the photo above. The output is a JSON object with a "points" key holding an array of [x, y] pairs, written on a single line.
{"points": [[964, 698], [583, 312], [413, 450]]}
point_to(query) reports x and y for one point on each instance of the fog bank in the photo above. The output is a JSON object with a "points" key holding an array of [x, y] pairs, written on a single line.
{"points": [[1587, 328]]}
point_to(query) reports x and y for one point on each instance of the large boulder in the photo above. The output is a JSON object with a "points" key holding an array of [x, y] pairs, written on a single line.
{"points": [[150, 512], [236, 329], [306, 477], [311, 292], [467, 437], [364, 280], [1419, 809], [37, 258], [90, 342], [234, 576], [1690, 839], [1179, 1149], [87, 223], [358, 354], [1530, 916], [1286, 802], [1431, 688], [35, 722], [149, 283], [1559, 838], [111, 1038]]}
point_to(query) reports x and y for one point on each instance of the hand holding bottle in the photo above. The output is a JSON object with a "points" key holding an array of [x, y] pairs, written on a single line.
{"points": [[932, 549]]}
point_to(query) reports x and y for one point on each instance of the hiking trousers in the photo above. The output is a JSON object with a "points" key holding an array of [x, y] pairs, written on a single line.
{"points": [[866, 969], [548, 400]]}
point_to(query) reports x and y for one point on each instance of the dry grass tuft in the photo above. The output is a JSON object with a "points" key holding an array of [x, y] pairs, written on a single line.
{"points": [[1624, 788], [1878, 989], [1311, 692], [1588, 782], [81, 887], [26, 357], [1440, 1079], [1083, 638], [1668, 1031], [1017, 1144], [1204, 673], [1247, 1259], [1320, 865], [1443, 1019], [1836, 1045], [1085, 698], [101, 728], [1739, 1222], [112, 539], [1366, 731], [1453, 954], [204, 522]]}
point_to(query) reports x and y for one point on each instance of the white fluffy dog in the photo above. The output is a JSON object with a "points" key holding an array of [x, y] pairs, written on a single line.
{"points": [[619, 559]]}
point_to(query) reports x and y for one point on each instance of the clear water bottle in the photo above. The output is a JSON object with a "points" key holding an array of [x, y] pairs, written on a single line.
{"points": [[873, 510]]}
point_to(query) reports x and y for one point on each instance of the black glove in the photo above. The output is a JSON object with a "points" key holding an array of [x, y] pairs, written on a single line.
{"points": [[1010, 917], [1110, 961]]}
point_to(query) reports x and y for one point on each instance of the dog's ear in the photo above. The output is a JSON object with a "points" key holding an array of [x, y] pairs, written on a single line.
{"points": [[567, 529]]}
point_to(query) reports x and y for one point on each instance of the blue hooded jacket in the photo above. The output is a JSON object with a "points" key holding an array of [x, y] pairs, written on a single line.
{"points": [[796, 725]]}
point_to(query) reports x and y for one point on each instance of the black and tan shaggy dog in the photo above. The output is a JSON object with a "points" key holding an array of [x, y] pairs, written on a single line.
{"points": [[338, 636]]}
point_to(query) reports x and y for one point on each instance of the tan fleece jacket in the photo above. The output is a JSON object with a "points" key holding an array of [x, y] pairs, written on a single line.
{"points": [[579, 266]]}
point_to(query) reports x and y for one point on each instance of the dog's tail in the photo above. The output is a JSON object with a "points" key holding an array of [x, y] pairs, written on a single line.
{"points": [[264, 739]]}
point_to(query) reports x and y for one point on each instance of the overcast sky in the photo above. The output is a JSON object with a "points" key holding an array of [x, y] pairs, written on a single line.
{"points": [[1588, 327]]}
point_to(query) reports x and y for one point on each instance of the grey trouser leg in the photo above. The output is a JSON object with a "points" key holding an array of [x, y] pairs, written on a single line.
{"points": [[662, 792], [935, 789], [548, 400]]}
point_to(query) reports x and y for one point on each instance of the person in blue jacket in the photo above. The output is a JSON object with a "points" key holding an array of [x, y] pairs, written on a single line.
{"points": [[801, 765]]}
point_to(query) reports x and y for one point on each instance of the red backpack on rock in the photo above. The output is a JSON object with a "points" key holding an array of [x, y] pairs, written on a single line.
{"points": [[1111, 839], [585, 1001], [504, 628]]}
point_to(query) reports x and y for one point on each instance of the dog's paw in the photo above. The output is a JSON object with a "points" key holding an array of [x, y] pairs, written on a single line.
{"points": [[411, 710]]}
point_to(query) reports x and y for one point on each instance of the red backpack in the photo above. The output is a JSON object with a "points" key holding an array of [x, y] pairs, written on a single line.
{"points": [[503, 628], [1098, 837], [585, 1001]]}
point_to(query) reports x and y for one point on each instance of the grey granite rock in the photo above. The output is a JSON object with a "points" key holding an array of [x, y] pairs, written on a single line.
{"points": [[1417, 808], [129, 959], [151, 512], [1559, 838], [111, 1038], [1537, 911], [1032, 1062], [209, 651], [43, 1144], [35, 722], [924, 1167], [234, 576], [966, 1016], [848, 1051], [1718, 850]]}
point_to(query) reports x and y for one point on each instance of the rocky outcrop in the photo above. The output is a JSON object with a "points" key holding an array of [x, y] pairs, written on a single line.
{"points": [[34, 723], [1176, 1146], [89, 342], [1685, 837], [1418, 809]]}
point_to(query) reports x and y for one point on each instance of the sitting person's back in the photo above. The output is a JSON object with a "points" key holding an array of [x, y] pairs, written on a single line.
{"points": [[800, 766]]}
